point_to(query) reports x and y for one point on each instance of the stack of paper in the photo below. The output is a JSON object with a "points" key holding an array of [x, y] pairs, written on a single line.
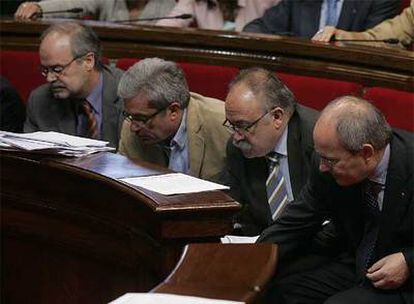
{"points": [[159, 298], [52, 142]]}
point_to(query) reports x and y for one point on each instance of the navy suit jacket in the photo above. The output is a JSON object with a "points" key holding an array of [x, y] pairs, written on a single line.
{"points": [[300, 18], [247, 177], [323, 198]]}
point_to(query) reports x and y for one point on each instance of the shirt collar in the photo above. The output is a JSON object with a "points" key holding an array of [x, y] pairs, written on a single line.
{"points": [[380, 173], [281, 145], [180, 138], [95, 97]]}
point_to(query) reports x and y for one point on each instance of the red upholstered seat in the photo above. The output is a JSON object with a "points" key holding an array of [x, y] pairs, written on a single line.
{"points": [[21, 68], [209, 80], [397, 106], [317, 92]]}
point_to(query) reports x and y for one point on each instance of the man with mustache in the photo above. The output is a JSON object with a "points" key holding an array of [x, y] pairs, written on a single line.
{"points": [[80, 97], [167, 125], [264, 117]]}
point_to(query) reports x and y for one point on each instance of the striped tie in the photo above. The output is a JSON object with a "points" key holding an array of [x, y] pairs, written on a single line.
{"points": [[276, 186], [92, 130]]}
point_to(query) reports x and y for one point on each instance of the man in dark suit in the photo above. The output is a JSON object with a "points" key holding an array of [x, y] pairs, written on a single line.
{"points": [[362, 178], [264, 117], [12, 110], [80, 97], [303, 18]]}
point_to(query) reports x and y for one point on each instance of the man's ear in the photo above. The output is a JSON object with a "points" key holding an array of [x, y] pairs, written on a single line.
{"points": [[89, 61], [278, 115], [367, 152], [174, 110]]}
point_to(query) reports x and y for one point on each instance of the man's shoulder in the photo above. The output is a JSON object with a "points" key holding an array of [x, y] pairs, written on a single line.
{"points": [[112, 73], [210, 110], [41, 94]]}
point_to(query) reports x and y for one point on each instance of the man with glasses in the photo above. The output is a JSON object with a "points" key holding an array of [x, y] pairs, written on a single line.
{"points": [[265, 119], [80, 97], [167, 125], [362, 178]]}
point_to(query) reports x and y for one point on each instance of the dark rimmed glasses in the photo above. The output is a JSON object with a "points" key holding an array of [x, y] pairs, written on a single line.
{"points": [[243, 129], [57, 70]]}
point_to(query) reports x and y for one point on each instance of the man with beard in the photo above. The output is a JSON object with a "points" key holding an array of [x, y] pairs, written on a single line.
{"points": [[80, 97], [167, 125], [268, 127]]}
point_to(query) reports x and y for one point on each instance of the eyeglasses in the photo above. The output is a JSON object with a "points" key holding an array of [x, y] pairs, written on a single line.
{"points": [[328, 161], [243, 129], [141, 119], [57, 70]]}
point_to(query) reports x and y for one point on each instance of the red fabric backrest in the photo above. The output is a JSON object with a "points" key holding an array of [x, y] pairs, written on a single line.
{"points": [[404, 4], [397, 106], [21, 68], [316, 92], [207, 80]]}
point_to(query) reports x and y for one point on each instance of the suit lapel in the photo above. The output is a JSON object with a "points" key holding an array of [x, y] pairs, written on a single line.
{"points": [[256, 175], [310, 11], [346, 16], [110, 116], [295, 159], [195, 139], [66, 114]]}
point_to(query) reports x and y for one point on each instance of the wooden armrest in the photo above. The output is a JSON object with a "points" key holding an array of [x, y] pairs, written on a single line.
{"points": [[236, 272]]}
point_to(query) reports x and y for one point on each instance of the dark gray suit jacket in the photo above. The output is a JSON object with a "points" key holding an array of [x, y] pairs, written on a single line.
{"points": [[322, 197], [300, 18], [247, 177], [45, 113]]}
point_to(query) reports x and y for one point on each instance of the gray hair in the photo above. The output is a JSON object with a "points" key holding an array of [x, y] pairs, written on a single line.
{"points": [[83, 40], [162, 83], [267, 87], [358, 122]]}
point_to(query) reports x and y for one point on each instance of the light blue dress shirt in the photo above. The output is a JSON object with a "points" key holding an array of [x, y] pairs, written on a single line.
{"points": [[380, 174], [179, 160], [324, 12]]}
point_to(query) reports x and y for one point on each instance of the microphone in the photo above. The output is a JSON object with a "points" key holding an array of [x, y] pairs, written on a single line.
{"points": [[389, 40], [74, 10], [182, 16]]}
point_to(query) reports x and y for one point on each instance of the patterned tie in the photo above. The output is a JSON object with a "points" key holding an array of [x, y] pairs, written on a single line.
{"points": [[92, 131], [366, 248], [331, 15], [275, 186]]}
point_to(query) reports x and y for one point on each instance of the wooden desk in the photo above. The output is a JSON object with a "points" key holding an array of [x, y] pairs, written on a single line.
{"points": [[71, 233], [368, 66]]}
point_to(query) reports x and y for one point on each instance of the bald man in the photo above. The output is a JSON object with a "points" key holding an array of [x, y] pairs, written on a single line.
{"points": [[362, 178]]}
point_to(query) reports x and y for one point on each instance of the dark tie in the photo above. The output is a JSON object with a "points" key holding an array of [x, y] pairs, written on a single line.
{"points": [[92, 130], [275, 186], [331, 15], [365, 252]]}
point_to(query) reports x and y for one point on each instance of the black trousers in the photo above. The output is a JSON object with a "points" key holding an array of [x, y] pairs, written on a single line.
{"points": [[332, 282]]}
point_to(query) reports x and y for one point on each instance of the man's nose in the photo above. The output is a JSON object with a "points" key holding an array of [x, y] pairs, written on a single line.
{"points": [[237, 136], [50, 77]]}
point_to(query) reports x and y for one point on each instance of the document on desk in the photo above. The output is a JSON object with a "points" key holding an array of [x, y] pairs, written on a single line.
{"points": [[173, 183], [163, 298], [237, 239]]}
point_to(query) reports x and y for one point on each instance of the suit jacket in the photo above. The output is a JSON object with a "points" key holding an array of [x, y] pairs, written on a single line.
{"points": [[247, 177], [108, 10], [45, 113], [301, 17], [400, 27], [12, 112], [322, 197], [206, 135]]}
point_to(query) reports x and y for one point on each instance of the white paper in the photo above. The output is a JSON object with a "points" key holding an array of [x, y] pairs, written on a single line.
{"points": [[52, 142], [159, 298], [173, 183], [235, 239]]}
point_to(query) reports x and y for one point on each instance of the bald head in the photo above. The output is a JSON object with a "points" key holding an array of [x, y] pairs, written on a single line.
{"points": [[356, 122]]}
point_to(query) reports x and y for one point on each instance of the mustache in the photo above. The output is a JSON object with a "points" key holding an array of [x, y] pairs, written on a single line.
{"points": [[57, 85], [242, 145]]}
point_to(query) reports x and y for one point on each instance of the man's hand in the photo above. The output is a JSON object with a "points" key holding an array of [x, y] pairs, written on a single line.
{"points": [[326, 34], [27, 11], [390, 272]]}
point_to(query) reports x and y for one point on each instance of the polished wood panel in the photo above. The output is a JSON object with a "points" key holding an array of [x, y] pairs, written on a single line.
{"points": [[72, 233], [238, 272], [366, 65]]}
